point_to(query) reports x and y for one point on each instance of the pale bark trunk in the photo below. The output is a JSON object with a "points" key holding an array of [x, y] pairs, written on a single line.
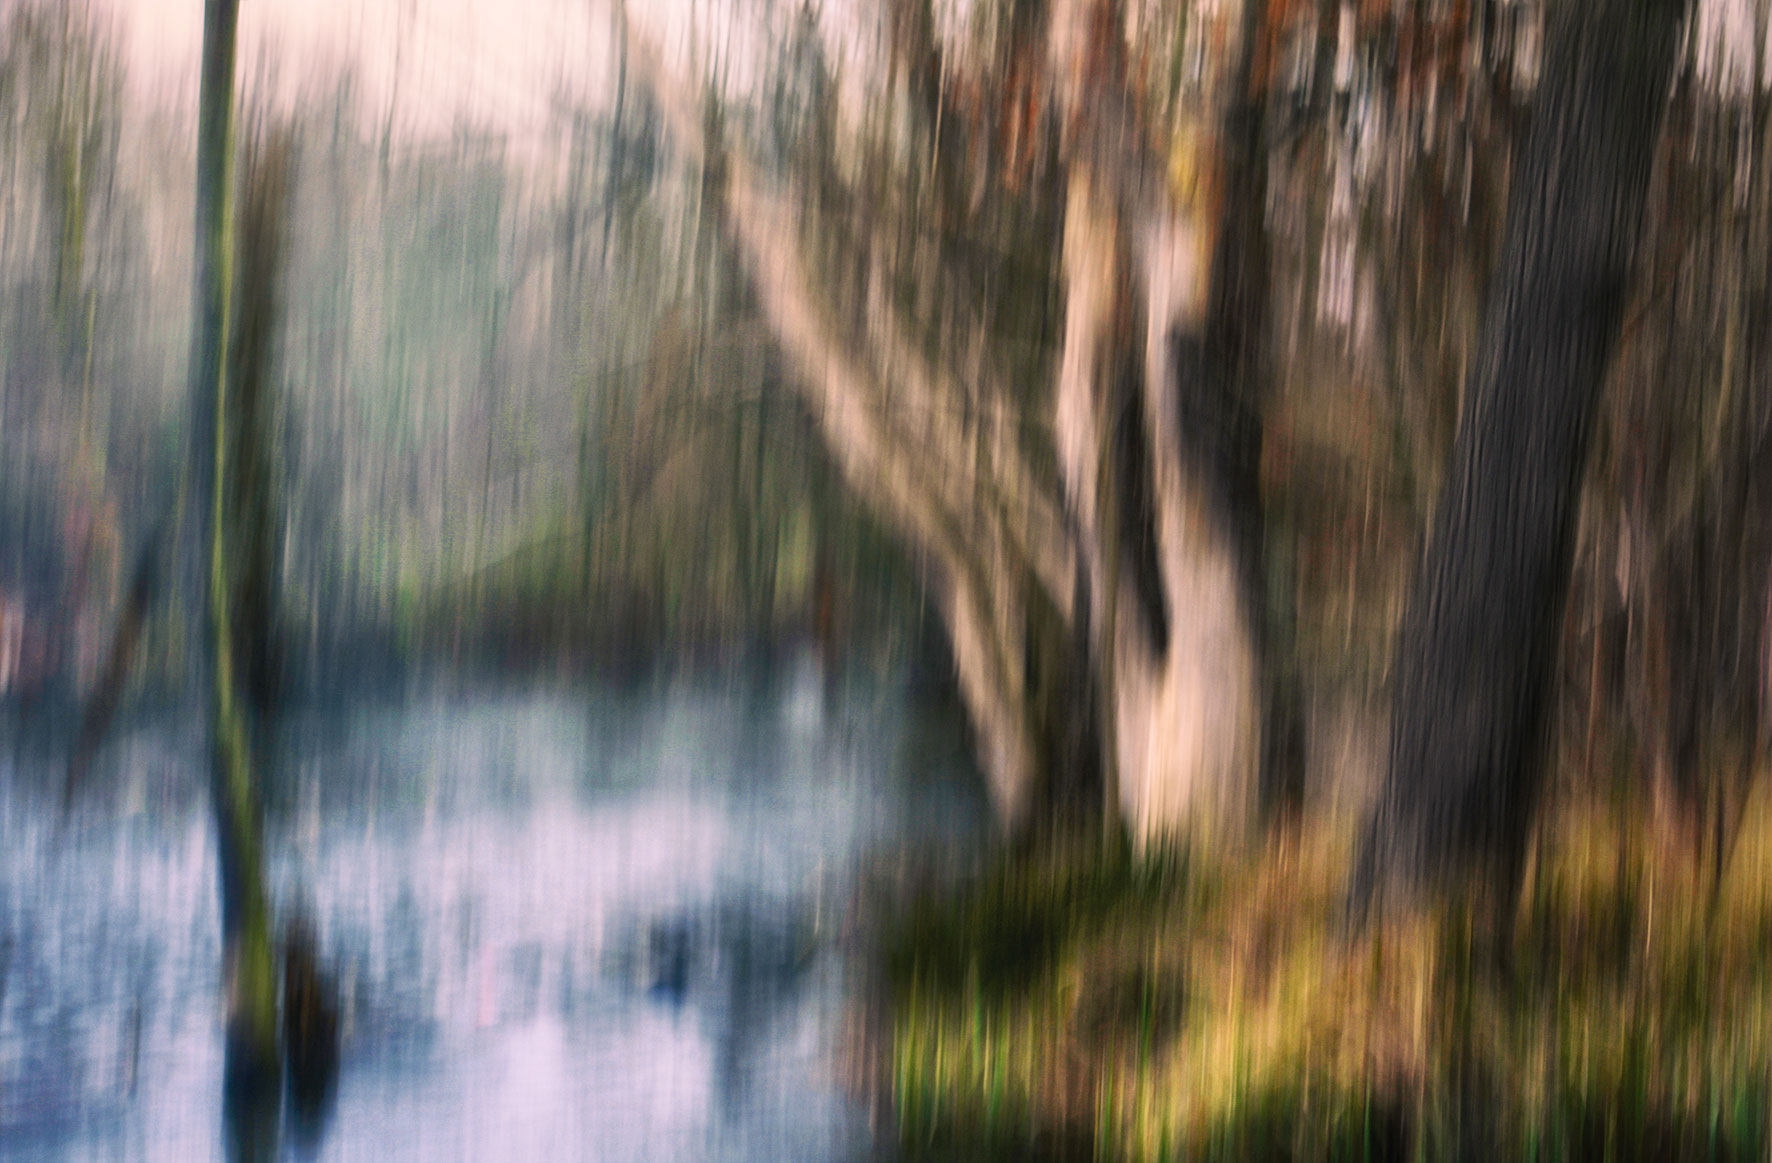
{"points": [[1184, 706], [980, 521], [1186, 697]]}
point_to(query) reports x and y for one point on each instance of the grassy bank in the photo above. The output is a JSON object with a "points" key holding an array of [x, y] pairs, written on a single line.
{"points": [[1084, 1005]]}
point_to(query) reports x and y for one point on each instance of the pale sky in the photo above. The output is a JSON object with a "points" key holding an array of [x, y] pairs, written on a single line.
{"points": [[505, 60], [433, 60]]}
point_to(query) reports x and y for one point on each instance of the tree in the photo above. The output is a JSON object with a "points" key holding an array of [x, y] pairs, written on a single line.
{"points": [[253, 1067], [1478, 644], [255, 535], [1067, 437], [61, 116], [1669, 617]]}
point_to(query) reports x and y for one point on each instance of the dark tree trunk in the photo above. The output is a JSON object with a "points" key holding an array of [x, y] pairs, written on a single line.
{"points": [[252, 1070], [1061, 685], [1229, 414], [1477, 647], [255, 539]]}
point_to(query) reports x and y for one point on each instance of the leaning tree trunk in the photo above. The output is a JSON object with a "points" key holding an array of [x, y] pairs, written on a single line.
{"points": [[1112, 623], [1477, 646], [252, 1068], [971, 504]]}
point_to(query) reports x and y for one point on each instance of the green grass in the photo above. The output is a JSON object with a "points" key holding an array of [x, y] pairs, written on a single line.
{"points": [[1020, 918], [1083, 1004]]}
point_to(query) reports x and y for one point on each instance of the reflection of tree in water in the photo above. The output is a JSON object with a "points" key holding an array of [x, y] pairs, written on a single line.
{"points": [[765, 956], [748, 963], [310, 1030]]}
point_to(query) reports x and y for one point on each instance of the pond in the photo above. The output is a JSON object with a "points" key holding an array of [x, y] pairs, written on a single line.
{"points": [[566, 923]]}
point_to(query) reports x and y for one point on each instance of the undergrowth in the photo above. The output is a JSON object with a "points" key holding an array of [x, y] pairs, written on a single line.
{"points": [[1084, 1004]]}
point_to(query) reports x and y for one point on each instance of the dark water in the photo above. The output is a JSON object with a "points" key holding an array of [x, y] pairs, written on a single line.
{"points": [[567, 925]]}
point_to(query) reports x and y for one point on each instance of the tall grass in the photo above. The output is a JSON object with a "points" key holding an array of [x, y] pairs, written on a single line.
{"points": [[1083, 1004]]}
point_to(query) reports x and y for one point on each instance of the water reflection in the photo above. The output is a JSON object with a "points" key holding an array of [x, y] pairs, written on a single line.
{"points": [[565, 925]]}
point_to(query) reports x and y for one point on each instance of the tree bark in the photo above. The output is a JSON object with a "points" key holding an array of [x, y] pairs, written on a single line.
{"points": [[1158, 419], [252, 1069], [1478, 643], [255, 539]]}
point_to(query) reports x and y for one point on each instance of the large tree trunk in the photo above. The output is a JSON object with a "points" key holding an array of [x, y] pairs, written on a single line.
{"points": [[1477, 646]]}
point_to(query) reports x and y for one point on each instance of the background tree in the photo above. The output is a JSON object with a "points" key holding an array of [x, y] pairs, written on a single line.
{"points": [[254, 1065]]}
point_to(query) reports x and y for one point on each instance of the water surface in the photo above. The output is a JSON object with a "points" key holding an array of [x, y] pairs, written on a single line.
{"points": [[568, 924]]}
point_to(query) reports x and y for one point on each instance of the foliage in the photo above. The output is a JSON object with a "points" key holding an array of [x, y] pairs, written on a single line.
{"points": [[1219, 1012]]}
